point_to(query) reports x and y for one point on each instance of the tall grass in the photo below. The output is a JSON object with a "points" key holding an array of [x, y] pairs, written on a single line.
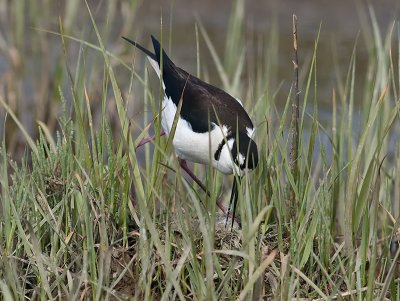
{"points": [[82, 217]]}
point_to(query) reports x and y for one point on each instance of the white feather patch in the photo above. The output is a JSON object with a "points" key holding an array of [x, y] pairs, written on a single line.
{"points": [[250, 132], [156, 68]]}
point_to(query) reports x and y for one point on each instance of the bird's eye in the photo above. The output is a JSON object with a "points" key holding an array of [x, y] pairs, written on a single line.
{"points": [[240, 160]]}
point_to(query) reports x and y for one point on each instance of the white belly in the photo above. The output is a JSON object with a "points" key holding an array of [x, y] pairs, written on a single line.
{"points": [[192, 146]]}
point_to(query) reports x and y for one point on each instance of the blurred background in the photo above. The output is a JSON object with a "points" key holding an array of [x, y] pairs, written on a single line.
{"points": [[37, 66]]}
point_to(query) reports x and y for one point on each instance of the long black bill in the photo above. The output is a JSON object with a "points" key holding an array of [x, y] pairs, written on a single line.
{"points": [[233, 200]]}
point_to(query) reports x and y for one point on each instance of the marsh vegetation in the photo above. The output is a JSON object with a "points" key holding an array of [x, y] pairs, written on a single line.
{"points": [[86, 216]]}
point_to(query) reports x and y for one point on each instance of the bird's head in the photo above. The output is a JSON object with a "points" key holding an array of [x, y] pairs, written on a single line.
{"points": [[244, 153]]}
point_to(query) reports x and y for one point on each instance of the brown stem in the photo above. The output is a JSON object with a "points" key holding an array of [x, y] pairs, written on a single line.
{"points": [[294, 128]]}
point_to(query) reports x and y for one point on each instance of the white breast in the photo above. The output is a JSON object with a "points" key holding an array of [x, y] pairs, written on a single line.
{"points": [[196, 147]]}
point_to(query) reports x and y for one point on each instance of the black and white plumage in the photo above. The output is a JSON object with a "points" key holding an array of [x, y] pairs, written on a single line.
{"points": [[213, 127]]}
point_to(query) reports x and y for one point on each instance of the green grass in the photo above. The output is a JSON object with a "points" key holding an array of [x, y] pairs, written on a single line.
{"points": [[83, 218]]}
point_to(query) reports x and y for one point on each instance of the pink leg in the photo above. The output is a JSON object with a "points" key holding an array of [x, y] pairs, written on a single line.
{"points": [[184, 166], [149, 139]]}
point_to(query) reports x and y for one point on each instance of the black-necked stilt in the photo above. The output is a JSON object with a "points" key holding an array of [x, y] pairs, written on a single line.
{"points": [[212, 127]]}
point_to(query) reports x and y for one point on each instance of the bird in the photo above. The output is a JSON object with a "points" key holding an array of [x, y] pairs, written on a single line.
{"points": [[212, 127]]}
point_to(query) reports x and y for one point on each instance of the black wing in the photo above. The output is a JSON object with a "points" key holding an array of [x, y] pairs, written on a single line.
{"points": [[204, 103]]}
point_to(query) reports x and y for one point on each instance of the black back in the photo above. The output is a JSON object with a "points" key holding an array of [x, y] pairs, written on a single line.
{"points": [[202, 103]]}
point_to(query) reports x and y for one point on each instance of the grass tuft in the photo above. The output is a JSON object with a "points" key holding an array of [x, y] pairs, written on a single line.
{"points": [[85, 215]]}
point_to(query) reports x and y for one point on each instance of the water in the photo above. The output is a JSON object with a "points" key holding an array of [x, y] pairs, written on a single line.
{"points": [[341, 22]]}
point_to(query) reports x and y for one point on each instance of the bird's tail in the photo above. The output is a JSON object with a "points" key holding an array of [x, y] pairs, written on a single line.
{"points": [[145, 50], [166, 61]]}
